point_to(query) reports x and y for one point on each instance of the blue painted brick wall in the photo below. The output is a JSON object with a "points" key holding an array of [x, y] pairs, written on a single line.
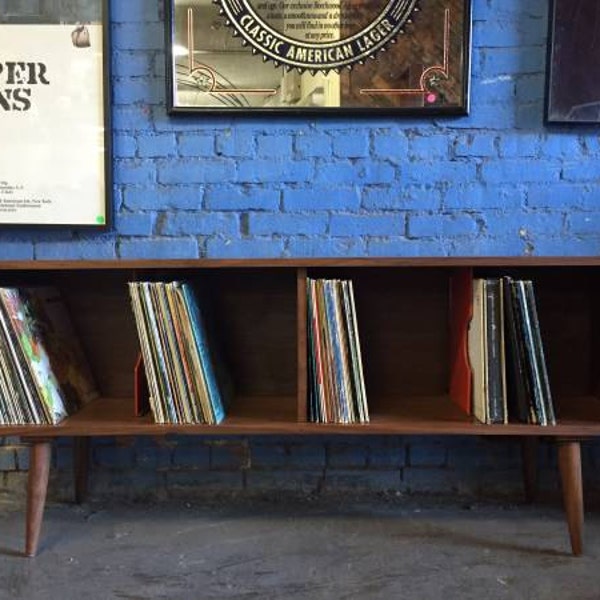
{"points": [[495, 182]]}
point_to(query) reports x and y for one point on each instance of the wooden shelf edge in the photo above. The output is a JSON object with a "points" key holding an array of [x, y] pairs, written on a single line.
{"points": [[256, 416], [220, 263]]}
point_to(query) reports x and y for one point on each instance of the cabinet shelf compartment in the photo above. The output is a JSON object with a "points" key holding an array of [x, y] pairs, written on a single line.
{"points": [[403, 327], [251, 320]]}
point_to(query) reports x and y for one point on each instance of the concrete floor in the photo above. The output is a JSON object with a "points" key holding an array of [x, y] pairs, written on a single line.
{"points": [[300, 549]]}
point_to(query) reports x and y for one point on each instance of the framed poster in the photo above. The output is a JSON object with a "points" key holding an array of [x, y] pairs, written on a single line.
{"points": [[573, 88], [327, 56], [54, 117]]}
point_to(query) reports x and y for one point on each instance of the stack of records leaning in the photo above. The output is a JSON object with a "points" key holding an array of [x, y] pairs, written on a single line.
{"points": [[177, 357], [510, 375], [336, 384], [44, 375]]}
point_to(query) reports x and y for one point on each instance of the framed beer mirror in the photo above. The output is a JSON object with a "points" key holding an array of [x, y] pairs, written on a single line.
{"points": [[328, 56]]}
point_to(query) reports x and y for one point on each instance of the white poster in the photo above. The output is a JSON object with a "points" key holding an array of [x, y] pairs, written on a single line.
{"points": [[52, 125]]}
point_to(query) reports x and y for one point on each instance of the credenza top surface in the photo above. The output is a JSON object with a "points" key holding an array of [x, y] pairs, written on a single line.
{"points": [[221, 263]]}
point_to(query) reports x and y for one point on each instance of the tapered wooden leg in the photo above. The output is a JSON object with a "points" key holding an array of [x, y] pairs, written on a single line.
{"points": [[529, 450], [37, 486], [81, 461], [569, 462]]}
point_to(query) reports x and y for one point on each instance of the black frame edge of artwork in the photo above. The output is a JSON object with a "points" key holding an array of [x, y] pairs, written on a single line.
{"points": [[104, 221], [108, 132], [231, 20], [567, 90]]}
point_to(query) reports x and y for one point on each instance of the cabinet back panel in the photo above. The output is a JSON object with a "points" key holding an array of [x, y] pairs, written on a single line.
{"points": [[567, 305], [101, 312], [403, 326], [253, 316]]}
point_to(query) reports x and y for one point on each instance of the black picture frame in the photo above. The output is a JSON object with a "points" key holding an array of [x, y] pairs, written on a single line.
{"points": [[572, 88], [55, 105], [400, 57]]}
